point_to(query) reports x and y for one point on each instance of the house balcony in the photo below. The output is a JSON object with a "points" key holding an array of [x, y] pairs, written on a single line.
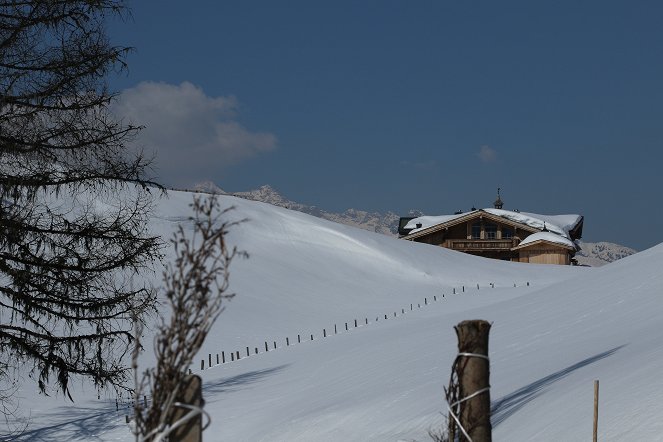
{"points": [[467, 245]]}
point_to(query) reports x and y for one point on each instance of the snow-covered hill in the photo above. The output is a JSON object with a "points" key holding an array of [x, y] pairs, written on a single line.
{"points": [[555, 330], [385, 223], [591, 254]]}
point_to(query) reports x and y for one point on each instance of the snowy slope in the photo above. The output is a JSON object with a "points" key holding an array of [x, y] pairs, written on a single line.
{"points": [[383, 381]]}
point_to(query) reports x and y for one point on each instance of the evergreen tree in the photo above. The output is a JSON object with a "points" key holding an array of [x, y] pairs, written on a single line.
{"points": [[73, 198]]}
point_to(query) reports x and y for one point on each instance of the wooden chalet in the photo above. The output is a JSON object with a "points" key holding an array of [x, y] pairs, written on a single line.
{"points": [[500, 234]]}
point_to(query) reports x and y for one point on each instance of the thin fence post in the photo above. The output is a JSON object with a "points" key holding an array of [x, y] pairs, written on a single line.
{"points": [[425, 301], [210, 359], [256, 350], [202, 364], [247, 351], [266, 346], [287, 341], [355, 323], [311, 337], [232, 356], [217, 359], [434, 297], [238, 358], [324, 333], [366, 319], [274, 345], [346, 326], [299, 339], [223, 357], [596, 411], [335, 331]]}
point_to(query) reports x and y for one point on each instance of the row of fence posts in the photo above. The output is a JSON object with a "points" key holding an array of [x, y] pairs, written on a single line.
{"points": [[236, 356]]}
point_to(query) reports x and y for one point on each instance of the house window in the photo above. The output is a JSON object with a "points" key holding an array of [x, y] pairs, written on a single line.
{"points": [[476, 230], [507, 233], [491, 231]]}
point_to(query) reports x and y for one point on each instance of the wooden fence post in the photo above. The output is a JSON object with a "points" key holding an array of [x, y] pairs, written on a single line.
{"points": [[473, 372], [192, 430], [596, 411]]}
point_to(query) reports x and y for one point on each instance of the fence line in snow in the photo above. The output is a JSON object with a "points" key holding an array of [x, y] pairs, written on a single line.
{"points": [[235, 355]]}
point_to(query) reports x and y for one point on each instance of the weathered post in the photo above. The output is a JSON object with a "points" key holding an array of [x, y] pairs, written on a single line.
{"points": [[191, 394], [596, 411], [472, 369]]}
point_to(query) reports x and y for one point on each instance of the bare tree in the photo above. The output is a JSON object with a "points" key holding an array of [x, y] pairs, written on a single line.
{"points": [[73, 199], [195, 286]]}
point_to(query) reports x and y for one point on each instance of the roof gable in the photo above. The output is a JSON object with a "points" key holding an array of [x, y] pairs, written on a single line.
{"points": [[447, 221]]}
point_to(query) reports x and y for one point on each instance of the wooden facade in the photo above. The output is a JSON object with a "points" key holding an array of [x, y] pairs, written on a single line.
{"points": [[485, 234]]}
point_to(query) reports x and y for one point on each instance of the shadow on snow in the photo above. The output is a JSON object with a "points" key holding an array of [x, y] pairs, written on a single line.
{"points": [[90, 423], [508, 405]]}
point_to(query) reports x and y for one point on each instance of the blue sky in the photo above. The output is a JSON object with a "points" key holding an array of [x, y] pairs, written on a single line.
{"points": [[381, 105]]}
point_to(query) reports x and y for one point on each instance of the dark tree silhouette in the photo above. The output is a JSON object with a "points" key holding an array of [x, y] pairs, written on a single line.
{"points": [[73, 198]]}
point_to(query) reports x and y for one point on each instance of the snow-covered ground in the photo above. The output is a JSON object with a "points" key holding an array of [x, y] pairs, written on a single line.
{"points": [[555, 330]]}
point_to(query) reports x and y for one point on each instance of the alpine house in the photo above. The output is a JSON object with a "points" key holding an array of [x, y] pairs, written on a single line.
{"points": [[500, 234]]}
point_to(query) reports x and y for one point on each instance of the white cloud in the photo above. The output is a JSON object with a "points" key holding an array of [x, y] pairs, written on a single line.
{"points": [[487, 154], [193, 135]]}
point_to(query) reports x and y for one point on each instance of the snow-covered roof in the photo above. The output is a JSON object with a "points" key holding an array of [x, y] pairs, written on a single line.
{"points": [[547, 236], [559, 224]]}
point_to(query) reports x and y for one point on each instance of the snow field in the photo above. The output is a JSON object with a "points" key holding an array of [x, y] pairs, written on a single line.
{"points": [[384, 382]]}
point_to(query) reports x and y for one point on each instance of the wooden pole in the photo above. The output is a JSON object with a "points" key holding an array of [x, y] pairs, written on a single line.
{"points": [[596, 410], [474, 375], [190, 393]]}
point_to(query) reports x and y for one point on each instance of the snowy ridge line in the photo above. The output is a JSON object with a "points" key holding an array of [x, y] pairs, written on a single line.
{"points": [[270, 346]]}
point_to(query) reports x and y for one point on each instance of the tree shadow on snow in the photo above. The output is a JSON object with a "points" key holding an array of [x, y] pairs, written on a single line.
{"points": [[508, 405], [72, 423]]}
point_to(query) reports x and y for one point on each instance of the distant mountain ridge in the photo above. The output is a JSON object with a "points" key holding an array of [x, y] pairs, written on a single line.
{"points": [[591, 254]]}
